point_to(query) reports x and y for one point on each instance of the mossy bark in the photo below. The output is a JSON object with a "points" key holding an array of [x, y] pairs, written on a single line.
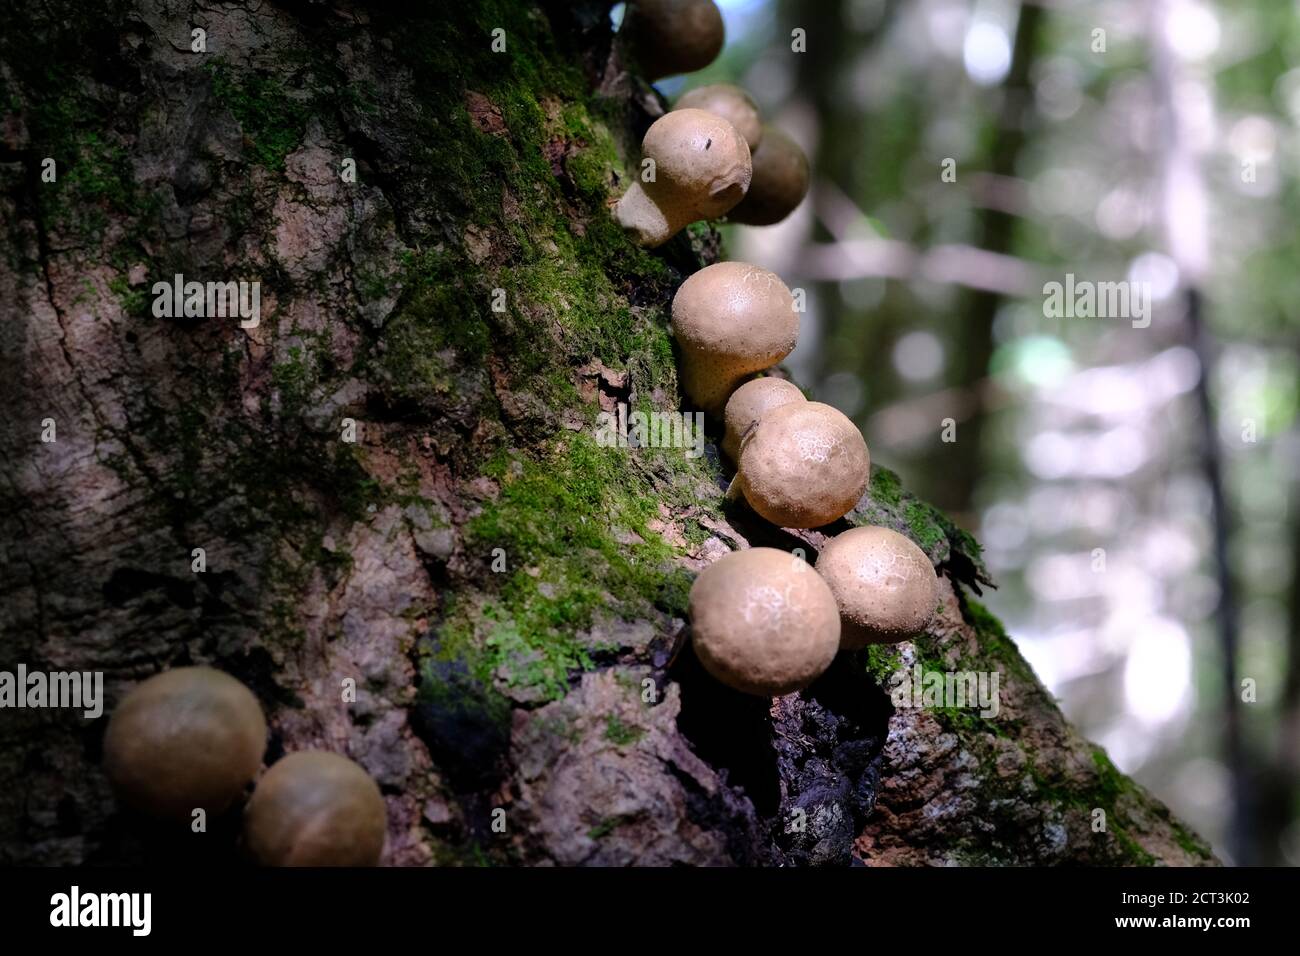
{"points": [[506, 594]]}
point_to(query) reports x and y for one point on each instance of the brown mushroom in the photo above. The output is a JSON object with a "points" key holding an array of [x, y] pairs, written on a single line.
{"points": [[779, 183], [700, 170], [187, 739], [884, 585], [730, 319], [731, 103], [762, 622], [803, 466], [666, 37], [315, 808], [749, 403]]}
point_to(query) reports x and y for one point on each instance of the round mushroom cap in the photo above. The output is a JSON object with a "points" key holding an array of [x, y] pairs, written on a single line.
{"points": [[779, 182], [731, 103], [702, 163], [804, 465], [761, 623], [749, 403], [186, 739], [731, 319], [667, 37], [315, 808], [884, 585], [701, 170]]}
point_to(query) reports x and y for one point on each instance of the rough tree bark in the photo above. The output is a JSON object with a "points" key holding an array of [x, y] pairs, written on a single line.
{"points": [[549, 678]]}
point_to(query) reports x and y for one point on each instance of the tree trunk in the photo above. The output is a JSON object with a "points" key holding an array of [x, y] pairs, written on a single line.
{"points": [[506, 594]]}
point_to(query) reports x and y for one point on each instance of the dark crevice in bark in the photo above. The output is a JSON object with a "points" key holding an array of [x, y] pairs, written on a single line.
{"points": [[809, 763], [462, 728], [729, 730], [828, 741]]}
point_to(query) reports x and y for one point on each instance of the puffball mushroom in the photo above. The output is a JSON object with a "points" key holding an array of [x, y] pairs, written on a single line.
{"points": [[884, 585], [804, 465], [730, 319], [701, 170], [763, 622], [731, 103], [315, 808], [186, 739], [666, 37], [749, 403], [779, 183]]}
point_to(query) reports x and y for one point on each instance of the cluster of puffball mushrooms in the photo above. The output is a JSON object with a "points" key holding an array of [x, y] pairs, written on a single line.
{"points": [[761, 622], [192, 738]]}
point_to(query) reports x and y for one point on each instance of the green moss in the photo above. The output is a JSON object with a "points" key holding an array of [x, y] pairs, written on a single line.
{"points": [[134, 302], [470, 853], [996, 648], [272, 115], [882, 661], [576, 542], [922, 527], [886, 490], [604, 828], [887, 504], [620, 733], [1110, 782], [1191, 844], [294, 380]]}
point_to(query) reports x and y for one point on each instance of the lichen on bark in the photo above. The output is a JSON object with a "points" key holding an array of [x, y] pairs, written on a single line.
{"points": [[508, 595]]}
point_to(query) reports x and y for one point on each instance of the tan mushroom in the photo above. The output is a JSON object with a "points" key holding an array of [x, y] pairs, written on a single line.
{"points": [[884, 585], [803, 466], [749, 403], [667, 37], [763, 622], [779, 183], [700, 170], [731, 103], [187, 739], [730, 319], [315, 808]]}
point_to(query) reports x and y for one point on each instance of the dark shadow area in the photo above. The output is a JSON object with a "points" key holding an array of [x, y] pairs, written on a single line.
{"points": [[729, 730]]}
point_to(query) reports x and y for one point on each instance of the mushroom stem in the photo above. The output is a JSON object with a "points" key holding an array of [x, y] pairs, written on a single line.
{"points": [[711, 378], [638, 214]]}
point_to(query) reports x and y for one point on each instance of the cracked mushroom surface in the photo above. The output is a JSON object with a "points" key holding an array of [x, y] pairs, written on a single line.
{"points": [[804, 465], [885, 586], [763, 622]]}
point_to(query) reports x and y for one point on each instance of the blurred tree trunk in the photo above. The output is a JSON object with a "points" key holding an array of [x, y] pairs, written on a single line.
{"points": [[507, 594], [974, 349]]}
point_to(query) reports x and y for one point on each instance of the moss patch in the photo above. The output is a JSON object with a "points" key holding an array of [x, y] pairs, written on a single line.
{"points": [[272, 115], [620, 733], [888, 504]]}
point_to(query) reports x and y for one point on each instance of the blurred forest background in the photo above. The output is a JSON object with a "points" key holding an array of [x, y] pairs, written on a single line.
{"points": [[1142, 519]]}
